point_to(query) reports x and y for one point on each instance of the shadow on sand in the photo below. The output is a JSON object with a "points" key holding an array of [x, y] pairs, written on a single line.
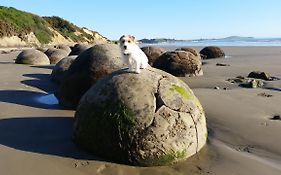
{"points": [[45, 135], [45, 67], [40, 81], [26, 98]]}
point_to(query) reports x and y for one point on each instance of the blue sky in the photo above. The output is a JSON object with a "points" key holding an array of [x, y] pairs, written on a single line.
{"points": [[180, 19]]}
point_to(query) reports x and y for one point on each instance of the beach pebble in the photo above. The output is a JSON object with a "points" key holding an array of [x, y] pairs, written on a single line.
{"points": [[145, 119], [152, 53], [32, 57], [87, 68], [180, 63], [212, 52]]}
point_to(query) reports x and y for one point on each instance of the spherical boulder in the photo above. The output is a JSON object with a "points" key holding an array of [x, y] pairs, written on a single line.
{"points": [[86, 69], [152, 53], [189, 49], [32, 57], [180, 63], [145, 119], [63, 47], [55, 55], [79, 48], [212, 52], [60, 69]]}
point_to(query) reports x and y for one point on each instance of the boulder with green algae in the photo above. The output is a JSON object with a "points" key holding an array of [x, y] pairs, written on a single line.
{"points": [[146, 119]]}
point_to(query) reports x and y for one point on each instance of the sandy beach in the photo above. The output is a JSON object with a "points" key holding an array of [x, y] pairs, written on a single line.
{"points": [[36, 134]]}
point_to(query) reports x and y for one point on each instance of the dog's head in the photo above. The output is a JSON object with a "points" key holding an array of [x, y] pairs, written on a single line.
{"points": [[127, 42]]}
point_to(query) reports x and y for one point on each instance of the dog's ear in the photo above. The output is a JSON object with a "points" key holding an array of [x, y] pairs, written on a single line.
{"points": [[132, 38], [121, 37]]}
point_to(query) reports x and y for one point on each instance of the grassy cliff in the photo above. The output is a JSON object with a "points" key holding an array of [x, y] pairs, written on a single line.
{"points": [[18, 23]]}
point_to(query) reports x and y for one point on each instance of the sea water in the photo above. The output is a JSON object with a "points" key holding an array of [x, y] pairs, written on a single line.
{"points": [[219, 42]]}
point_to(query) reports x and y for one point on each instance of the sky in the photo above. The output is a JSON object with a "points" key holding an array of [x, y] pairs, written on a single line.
{"points": [[178, 19]]}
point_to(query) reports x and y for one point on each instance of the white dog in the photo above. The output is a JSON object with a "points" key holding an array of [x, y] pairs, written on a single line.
{"points": [[132, 54]]}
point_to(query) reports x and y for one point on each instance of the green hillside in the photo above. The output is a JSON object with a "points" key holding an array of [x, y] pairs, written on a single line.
{"points": [[19, 23], [14, 22]]}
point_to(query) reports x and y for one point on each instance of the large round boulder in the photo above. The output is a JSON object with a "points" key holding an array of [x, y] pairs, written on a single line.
{"points": [[32, 57], [79, 48], [191, 50], [146, 119], [55, 55], [63, 47], [60, 69], [152, 53], [87, 68], [180, 63], [212, 52]]}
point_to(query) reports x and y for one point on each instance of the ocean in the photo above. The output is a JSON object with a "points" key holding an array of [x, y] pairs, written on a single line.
{"points": [[220, 42]]}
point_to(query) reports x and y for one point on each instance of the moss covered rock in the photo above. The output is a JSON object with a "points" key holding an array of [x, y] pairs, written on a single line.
{"points": [[32, 57], [146, 119]]}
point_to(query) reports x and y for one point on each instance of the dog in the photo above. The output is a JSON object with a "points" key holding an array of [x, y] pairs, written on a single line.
{"points": [[133, 56]]}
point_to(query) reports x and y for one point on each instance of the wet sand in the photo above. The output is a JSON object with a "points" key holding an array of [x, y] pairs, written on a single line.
{"points": [[35, 133]]}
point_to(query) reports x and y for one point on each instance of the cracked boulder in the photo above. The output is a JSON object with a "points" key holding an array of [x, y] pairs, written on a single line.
{"points": [[180, 63], [145, 119], [85, 70]]}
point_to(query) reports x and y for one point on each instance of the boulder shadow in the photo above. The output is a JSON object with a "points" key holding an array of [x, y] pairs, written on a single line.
{"points": [[27, 98], [44, 135], [45, 67], [40, 81]]}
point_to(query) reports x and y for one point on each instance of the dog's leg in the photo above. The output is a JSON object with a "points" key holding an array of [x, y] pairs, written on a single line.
{"points": [[144, 64], [130, 65], [137, 67]]}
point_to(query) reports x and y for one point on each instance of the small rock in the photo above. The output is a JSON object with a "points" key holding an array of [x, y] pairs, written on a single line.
{"points": [[276, 117], [265, 95], [222, 64], [217, 87], [259, 75]]}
